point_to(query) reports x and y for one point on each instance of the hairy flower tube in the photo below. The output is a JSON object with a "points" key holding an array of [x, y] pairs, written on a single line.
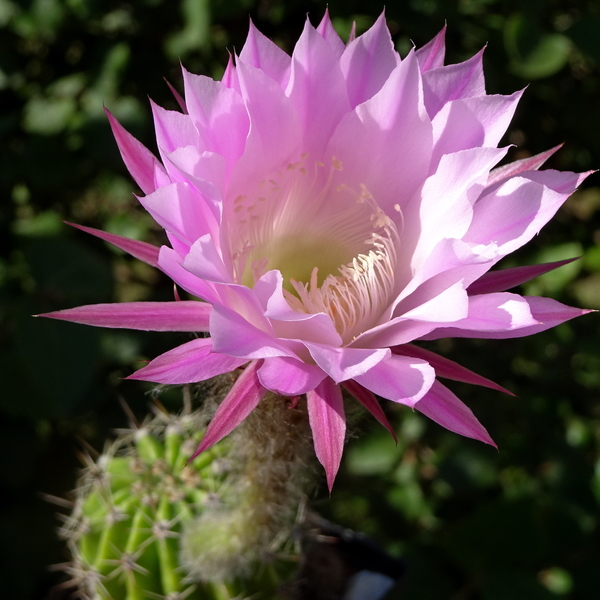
{"points": [[326, 210]]}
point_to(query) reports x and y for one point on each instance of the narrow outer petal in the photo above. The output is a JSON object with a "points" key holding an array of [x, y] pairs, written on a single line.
{"points": [[368, 400], [141, 250], [443, 407], [187, 315], [241, 400], [188, 363], [328, 424], [505, 279], [447, 368]]}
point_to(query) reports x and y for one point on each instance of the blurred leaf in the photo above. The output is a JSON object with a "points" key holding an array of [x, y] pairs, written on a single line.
{"points": [[48, 116], [535, 54]]}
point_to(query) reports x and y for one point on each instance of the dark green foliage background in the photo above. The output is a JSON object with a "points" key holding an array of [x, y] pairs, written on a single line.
{"points": [[475, 524]]}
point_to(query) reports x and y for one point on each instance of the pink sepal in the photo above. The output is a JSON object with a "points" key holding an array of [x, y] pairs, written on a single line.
{"points": [[186, 315], [141, 250], [369, 401], [443, 407], [328, 424], [241, 400]]}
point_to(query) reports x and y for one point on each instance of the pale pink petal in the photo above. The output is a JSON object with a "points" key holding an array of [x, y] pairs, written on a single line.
{"points": [[434, 302], [169, 263], [241, 400], [328, 424], [444, 84], [402, 379], [506, 322], [182, 211], [189, 363], [512, 214], [186, 315], [289, 377], [371, 141], [140, 162], [443, 407], [205, 261], [141, 250], [447, 368], [368, 61], [472, 123], [432, 54], [330, 35], [219, 112], [260, 52], [459, 179], [531, 163], [316, 89], [368, 400], [175, 130], [346, 363], [505, 279], [235, 336]]}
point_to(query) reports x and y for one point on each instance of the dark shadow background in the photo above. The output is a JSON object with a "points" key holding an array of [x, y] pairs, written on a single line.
{"points": [[474, 524]]}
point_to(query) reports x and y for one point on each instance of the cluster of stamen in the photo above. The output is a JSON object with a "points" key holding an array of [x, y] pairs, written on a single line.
{"points": [[334, 246]]}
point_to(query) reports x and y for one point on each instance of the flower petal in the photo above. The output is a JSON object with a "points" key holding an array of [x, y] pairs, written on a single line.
{"points": [[402, 379], [447, 368], [368, 400], [185, 315], [289, 377], [141, 250], [241, 400], [346, 363], [368, 61], [505, 279], [328, 424], [531, 163], [140, 162], [443, 407], [432, 54], [189, 363], [330, 35]]}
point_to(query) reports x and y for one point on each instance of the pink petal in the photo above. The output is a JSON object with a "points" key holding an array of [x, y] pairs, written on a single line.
{"points": [[432, 54], [443, 407], [368, 61], [175, 130], [346, 363], [545, 314], [170, 263], [402, 379], [141, 250], [289, 377], [232, 334], [532, 163], [328, 424], [371, 141], [205, 261], [330, 35], [447, 368], [316, 89], [444, 84], [505, 279], [472, 122], [368, 400], [191, 362], [186, 315], [513, 213], [182, 211], [260, 52], [219, 114], [241, 400], [140, 162]]}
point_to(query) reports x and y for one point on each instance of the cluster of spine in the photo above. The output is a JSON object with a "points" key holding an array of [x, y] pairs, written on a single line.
{"points": [[131, 506], [146, 525]]}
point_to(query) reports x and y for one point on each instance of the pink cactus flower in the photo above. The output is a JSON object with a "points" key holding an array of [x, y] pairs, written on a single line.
{"points": [[325, 211]]}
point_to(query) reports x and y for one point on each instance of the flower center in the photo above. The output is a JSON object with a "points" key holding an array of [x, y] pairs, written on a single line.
{"points": [[334, 246]]}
